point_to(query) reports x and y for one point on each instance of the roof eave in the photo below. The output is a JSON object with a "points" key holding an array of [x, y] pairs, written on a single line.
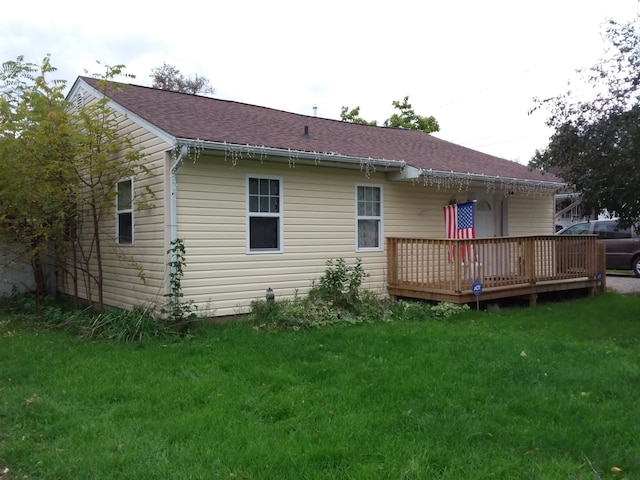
{"points": [[291, 156], [492, 182]]}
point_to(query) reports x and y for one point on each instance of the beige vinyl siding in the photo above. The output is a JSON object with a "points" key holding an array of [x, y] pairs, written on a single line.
{"points": [[318, 206], [531, 215], [135, 275], [319, 224]]}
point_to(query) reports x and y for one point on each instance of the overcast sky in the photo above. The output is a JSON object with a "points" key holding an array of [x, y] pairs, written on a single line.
{"points": [[474, 65]]}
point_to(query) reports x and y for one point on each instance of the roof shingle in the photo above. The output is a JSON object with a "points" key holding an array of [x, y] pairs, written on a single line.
{"points": [[209, 119]]}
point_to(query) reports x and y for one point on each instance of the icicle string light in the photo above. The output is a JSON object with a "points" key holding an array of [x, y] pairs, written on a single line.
{"points": [[508, 186], [441, 180]]}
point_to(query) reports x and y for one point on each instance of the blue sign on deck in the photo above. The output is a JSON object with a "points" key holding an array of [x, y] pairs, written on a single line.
{"points": [[476, 288], [599, 277]]}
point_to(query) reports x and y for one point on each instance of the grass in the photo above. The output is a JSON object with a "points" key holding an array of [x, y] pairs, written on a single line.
{"points": [[524, 393]]}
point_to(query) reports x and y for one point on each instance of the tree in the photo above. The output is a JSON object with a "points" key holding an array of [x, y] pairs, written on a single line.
{"points": [[353, 116], [168, 77], [59, 167], [104, 155], [596, 142], [36, 173], [407, 118]]}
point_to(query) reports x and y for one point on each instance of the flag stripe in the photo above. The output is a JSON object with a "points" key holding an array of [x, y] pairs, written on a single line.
{"points": [[459, 223]]}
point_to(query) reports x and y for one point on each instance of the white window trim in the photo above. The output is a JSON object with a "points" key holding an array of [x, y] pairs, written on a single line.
{"points": [[126, 210], [380, 248], [279, 215]]}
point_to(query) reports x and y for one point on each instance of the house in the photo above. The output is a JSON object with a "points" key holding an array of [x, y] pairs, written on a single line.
{"points": [[262, 198]]}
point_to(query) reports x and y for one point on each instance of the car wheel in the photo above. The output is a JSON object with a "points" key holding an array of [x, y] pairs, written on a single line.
{"points": [[635, 265]]}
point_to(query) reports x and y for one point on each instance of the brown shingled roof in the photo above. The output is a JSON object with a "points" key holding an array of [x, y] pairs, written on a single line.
{"points": [[209, 119]]}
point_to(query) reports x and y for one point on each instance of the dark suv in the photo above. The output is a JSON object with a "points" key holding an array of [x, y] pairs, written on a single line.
{"points": [[623, 244]]}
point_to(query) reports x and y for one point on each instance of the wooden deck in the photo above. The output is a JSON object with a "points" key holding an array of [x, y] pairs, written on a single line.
{"points": [[444, 270]]}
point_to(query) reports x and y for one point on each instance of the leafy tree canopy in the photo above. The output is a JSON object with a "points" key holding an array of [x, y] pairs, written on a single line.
{"points": [[407, 118], [36, 148], [168, 77], [59, 167], [353, 116], [596, 142]]}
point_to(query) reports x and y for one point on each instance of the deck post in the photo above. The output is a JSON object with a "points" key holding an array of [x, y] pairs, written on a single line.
{"points": [[602, 266], [458, 266]]}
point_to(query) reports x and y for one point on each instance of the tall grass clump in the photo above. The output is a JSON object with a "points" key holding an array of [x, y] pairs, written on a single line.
{"points": [[114, 325]]}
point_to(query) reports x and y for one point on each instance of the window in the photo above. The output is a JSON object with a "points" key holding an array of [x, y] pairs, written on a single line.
{"points": [[577, 229], [610, 229], [264, 214], [124, 212], [368, 217]]}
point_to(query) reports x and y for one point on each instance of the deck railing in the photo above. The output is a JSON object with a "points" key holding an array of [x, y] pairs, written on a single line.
{"points": [[504, 262]]}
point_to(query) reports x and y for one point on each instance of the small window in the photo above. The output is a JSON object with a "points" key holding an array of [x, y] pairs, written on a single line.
{"points": [[264, 214], [368, 217], [124, 212]]}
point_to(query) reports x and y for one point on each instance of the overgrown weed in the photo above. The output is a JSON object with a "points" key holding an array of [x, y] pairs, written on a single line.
{"points": [[338, 298], [88, 323]]}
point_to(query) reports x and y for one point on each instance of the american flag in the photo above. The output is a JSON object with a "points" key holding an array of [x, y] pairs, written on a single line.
{"points": [[459, 223], [458, 220]]}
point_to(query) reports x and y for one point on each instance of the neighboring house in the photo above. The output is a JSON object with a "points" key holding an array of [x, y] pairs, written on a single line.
{"points": [[263, 198], [569, 210]]}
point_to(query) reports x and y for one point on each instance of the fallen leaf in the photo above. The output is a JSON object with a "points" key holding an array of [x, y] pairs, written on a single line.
{"points": [[34, 398]]}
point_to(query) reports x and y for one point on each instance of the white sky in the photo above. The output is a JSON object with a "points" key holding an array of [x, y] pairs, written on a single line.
{"points": [[474, 65]]}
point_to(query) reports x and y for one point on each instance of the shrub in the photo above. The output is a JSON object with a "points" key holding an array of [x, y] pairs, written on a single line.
{"points": [[340, 284], [410, 310], [338, 298], [296, 314], [445, 310]]}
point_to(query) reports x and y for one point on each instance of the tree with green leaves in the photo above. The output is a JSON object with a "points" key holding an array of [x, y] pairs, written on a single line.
{"points": [[596, 141], [407, 118], [36, 165], [353, 116], [168, 77], [60, 163]]}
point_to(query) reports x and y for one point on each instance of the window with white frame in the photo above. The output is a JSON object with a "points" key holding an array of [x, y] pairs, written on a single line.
{"points": [[124, 212], [264, 214], [368, 217]]}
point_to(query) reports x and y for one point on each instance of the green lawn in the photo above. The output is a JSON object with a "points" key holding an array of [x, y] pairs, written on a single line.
{"points": [[526, 393]]}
